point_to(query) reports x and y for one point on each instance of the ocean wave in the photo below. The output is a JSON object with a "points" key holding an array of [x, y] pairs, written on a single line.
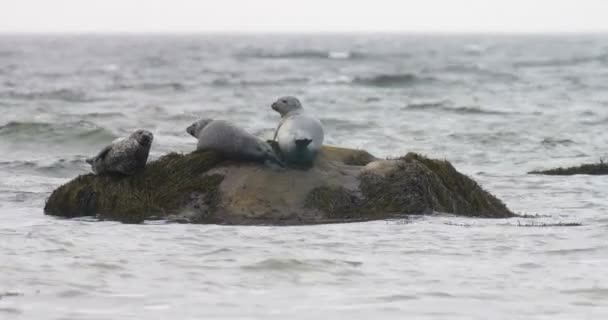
{"points": [[104, 115], [8, 53], [304, 54], [54, 168], [80, 132], [224, 82], [446, 106], [300, 265], [602, 58], [554, 142], [392, 80], [151, 86], [480, 71], [382, 80], [68, 95]]}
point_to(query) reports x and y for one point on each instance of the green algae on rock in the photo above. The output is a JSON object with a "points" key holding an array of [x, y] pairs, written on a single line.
{"points": [[590, 169], [344, 185], [166, 185]]}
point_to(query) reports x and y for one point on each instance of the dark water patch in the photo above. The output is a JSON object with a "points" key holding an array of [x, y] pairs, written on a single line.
{"points": [[9, 310], [393, 80], [530, 265], [480, 71], [151, 86], [224, 82], [439, 294], [302, 54], [67, 95], [446, 106], [62, 167], [428, 105], [397, 297], [155, 61], [373, 99], [299, 265], [105, 266], [39, 133], [8, 53], [176, 86], [544, 225], [465, 225], [598, 292], [9, 294], [574, 61], [554, 142], [532, 215], [573, 251], [349, 125], [71, 293], [104, 115]]}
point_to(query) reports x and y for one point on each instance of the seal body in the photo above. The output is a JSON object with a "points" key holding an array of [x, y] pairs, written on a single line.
{"points": [[124, 156], [298, 135], [231, 141]]}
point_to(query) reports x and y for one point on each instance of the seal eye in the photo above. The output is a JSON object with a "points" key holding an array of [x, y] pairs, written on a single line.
{"points": [[284, 101]]}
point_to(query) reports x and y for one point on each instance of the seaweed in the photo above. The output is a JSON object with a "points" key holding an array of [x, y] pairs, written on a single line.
{"points": [[154, 193], [178, 187], [600, 168], [418, 185]]}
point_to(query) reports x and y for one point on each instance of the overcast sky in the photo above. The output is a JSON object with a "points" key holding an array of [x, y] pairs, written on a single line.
{"points": [[303, 15]]}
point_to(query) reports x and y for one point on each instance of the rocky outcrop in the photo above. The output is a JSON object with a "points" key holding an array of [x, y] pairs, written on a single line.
{"points": [[590, 169], [344, 185]]}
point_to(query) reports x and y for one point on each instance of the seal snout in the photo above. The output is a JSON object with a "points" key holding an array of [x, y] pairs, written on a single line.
{"points": [[190, 129], [145, 138]]}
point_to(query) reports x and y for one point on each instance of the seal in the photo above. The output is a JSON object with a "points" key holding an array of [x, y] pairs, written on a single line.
{"points": [[124, 156], [231, 141], [298, 135]]}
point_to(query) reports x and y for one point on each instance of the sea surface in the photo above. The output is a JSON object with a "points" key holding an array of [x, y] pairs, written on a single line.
{"points": [[496, 106]]}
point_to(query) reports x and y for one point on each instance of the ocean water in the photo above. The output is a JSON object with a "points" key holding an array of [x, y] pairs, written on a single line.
{"points": [[495, 106]]}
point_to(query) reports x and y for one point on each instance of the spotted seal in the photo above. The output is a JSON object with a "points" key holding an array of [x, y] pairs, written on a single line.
{"points": [[298, 135], [231, 141], [125, 156]]}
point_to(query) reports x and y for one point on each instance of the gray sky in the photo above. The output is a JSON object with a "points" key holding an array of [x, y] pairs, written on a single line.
{"points": [[303, 15]]}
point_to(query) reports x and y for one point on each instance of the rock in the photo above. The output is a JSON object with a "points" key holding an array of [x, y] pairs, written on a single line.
{"points": [[344, 185], [591, 169]]}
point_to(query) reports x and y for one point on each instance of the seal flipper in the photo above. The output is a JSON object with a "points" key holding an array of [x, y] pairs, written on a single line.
{"points": [[274, 159], [302, 143]]}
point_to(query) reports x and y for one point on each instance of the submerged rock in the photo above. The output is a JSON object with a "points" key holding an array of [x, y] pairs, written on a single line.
{"points": [[344, 185], [590, 169]]}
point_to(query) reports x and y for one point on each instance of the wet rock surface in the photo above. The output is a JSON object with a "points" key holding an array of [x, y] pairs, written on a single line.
{"points": [[343, 185]]}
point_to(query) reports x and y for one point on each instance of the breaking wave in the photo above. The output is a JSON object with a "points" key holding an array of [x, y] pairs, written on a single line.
{"points": [[446, 106], [80, 132], [602, 58], [68, 95], [304, 54]]}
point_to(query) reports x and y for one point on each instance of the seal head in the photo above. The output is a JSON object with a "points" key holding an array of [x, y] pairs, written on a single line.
{"points": [[286, 105], [143, 137], [195, 128]]}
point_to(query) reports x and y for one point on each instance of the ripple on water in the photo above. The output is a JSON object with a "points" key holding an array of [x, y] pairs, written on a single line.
{"points": [[299, 265]]}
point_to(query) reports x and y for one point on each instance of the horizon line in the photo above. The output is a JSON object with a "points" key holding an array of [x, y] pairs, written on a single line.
{"points": [[316, 32]]}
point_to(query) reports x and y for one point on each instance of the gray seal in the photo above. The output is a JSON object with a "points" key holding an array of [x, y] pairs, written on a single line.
{"points": [[231, 141], [298, 135], [125, 156]]}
